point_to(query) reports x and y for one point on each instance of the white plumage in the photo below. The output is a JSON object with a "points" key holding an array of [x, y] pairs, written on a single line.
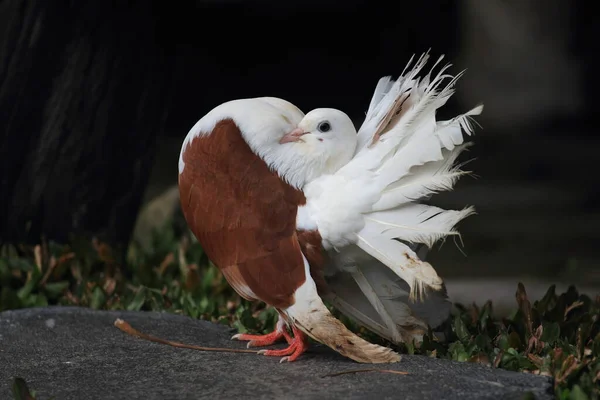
{"points": [[369, 212]]}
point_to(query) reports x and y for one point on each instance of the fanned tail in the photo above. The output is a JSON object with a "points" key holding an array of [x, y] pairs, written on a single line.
{"points": [[409, 155], [412, 155]]}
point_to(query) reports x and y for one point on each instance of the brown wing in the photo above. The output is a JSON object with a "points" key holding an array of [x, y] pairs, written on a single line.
{"points": [[243, 215]]}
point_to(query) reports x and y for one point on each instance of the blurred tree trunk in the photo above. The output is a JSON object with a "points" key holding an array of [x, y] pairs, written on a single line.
{"points": [[84, 91]]}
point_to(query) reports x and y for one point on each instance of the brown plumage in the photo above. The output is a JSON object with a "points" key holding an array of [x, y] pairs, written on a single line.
{"points": [[311, 245], [244, 216]]}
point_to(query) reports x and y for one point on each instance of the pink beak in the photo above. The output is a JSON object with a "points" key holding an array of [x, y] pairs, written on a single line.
{"points": [[293, 136]]}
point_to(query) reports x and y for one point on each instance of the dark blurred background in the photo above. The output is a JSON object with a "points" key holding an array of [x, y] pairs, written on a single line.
{"points": [[97, 96]]}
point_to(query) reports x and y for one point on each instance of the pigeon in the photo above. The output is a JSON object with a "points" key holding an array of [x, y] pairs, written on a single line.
{"points": [[297, 209]]}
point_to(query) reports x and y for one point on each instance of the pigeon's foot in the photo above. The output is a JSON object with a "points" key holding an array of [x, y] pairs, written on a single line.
{"points": [[264, 340], [279, 333], [297, 346]]}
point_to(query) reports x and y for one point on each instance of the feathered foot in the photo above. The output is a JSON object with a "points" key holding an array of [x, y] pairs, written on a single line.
{"points": [[298, 345], [279, 333]]}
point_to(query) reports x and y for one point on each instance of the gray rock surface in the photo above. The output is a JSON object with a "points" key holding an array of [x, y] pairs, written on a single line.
{"points": [[76, 353]]}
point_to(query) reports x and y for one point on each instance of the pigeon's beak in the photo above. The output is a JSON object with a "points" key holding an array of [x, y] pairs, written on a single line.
{"points": [[293, 136]]}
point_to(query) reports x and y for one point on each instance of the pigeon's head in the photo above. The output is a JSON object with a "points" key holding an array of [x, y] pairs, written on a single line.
{"points": [[298, 147], [325, 138]]}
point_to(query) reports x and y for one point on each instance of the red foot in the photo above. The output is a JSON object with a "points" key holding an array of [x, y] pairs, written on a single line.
{"points": [[264, 340], [279, 333], [296, 347]]}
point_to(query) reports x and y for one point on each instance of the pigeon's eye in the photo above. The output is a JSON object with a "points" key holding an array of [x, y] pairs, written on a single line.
{"points": [[324, 127]]}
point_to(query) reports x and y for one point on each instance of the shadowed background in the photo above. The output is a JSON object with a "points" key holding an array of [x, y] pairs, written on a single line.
{"points": [[96, 98]]}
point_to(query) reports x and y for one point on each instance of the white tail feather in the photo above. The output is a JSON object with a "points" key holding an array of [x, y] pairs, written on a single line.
{"points": [[404, 154], [381, 105], [423, 181], [370, 292], [402, 261], [425, 145], [416, 223], [374, 297], [383, 87]]}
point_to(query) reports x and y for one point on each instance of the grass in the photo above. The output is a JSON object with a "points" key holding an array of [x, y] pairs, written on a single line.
{"points": [[556, 336]]}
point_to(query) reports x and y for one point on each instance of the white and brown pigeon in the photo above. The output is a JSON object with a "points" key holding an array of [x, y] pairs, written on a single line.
{"points": [[295, 208]]}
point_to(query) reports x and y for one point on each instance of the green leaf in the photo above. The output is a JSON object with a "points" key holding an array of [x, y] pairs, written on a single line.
{"points": [[4, 267], [56, 288], [208, 278], [460, 329], [583, 336], [548, 301], [502, 342], [514, 340], [514, 361], [509, 362], [138, 300], [525, 308], [512, 352], [596, 346], [551, 332], [9, 299], [577, 393], [528, 396], [471, 348], [248, 319], [204, 305], [485, 314], [26, 290], [240, 327], [456, 351], [563, 394], [21, 264], [98, 298], [37, 300], [483, 342], [20, 390]]}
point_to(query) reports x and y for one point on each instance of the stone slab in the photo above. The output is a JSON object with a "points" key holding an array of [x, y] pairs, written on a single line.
{"points": [[77, 353]]}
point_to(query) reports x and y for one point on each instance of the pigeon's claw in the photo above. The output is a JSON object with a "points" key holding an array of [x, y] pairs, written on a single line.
{"points": [[297, 346]]}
